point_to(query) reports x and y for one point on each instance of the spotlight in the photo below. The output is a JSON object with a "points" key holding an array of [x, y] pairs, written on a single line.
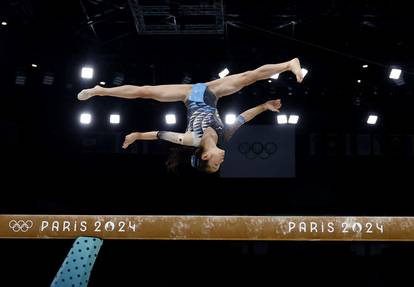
{"points": [[230, 119], [170, 119], [275, 76], [395, 74], [114, 119], [282, 119], [48, 79], [359, 81], [4, 23], [87, 73], [224, 73], [372, 119], [293, 119], [20, 78], [34, 65], [118, 79], [304, 72], [85, 119], [187, 79], [364, 66]]}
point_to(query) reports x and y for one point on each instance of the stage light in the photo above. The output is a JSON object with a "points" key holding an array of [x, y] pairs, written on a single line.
{"points": [[85, 118], [224, 73], [87, 73], [114, 119], [170, 119], [4, 23], [364, 66], [20, 78], [293, 119], [275, 76], [282, 119], [118, 79], [48, 79], [372, 119], [34, 65], [230, 119], [395, 74], [304, 72]]}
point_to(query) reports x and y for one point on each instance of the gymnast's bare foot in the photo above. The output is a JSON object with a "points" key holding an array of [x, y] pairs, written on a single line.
{"points": [[89, 93], [296, 69]]}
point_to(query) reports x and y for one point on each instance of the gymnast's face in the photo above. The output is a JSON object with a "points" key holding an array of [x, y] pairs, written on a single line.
{"points": [[214, 157]]}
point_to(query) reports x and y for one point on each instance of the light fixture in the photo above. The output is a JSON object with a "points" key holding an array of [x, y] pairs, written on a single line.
{"points": [[224, 73], [293, 119], [372, 119], [395, 74], [87, 73], [230, 119], [304, 72], [275, 76], [170, 119], [282, 119], [114, 119], [85, 118]]}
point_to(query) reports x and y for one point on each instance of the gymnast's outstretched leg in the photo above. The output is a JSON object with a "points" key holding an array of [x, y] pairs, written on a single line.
{"points": [[234, 83], [163, 93]]}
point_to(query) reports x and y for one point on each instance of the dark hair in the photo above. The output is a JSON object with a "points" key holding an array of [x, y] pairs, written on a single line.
{"points": [[179, 158], [201, 164]]}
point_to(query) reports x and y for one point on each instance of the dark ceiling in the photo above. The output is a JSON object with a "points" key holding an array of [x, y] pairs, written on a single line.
{"points": [[41, 138], [332, 38]]}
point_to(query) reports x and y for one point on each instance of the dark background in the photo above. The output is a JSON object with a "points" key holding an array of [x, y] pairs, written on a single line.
{"points": [[343, 166]]}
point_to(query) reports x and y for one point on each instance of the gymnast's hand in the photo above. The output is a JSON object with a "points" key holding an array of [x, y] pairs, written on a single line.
{"points": [[273, 105], [129, 139]]}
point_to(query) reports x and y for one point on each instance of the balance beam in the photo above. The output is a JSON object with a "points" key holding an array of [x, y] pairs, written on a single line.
{"points": [[159, 227]]}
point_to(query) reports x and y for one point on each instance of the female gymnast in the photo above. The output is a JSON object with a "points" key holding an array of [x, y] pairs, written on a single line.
{"points": [[205, 133]]}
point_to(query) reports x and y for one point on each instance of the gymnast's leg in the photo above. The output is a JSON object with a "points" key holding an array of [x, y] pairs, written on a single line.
{"points": [[234, 83], [163, 93]]}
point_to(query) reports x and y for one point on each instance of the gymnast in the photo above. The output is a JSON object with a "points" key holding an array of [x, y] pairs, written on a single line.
{"points": [[205, 134]]}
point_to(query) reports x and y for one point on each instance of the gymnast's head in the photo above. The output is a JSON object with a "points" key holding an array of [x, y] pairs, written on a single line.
{"points": [[206, 158], [200, 158]]}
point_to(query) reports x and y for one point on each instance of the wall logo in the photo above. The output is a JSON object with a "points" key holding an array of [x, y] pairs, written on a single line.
{"points": [[257, 149], [20, 225]]}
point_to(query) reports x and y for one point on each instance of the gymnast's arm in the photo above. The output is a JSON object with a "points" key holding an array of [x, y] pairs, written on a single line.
{"points": [[249, 114], [273, 105], [177, 138]]}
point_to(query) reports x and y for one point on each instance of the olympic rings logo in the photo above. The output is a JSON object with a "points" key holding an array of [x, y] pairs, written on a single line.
{"points": [[257, 149], [20, 225]]}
